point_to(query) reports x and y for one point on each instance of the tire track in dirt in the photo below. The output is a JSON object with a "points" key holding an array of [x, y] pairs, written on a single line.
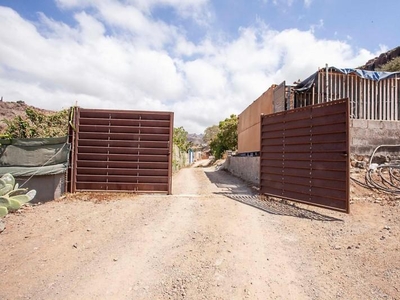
{"points": [[195, 244]]}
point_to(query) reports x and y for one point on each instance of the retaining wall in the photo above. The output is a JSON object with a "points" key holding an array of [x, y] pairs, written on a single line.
{"points": [[179, 159], [366, 135], [247, 167]]}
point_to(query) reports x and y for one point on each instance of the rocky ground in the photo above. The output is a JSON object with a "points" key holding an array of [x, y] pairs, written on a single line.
{"points": [[214, 238]]}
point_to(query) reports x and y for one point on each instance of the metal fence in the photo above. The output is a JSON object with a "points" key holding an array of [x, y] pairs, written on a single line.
{"points": [[369, 99], [280, 97], [120, 150], [304, 155]]}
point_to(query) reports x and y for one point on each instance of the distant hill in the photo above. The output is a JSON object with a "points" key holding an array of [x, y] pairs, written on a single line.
{"points": [[388, 61], [9, 110], [196, 139]]}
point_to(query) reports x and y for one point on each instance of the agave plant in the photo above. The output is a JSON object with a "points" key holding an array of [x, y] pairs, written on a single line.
{"points": [[11, 196]]}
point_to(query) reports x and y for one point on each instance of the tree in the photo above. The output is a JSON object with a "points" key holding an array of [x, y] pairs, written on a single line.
{"points": [[226, 138], [180, 139], [210, 133]]}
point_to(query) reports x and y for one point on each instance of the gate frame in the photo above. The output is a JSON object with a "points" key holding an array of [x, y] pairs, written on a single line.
{"points": [[73, 138], [346, 209]]}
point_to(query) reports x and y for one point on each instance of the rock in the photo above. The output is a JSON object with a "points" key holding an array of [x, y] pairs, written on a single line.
{"points": [[360, 157], [360, 164], [2, 226], [382, 59]]}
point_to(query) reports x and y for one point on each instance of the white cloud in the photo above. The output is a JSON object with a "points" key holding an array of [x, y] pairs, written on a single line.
{"points": [[204, 79], [283, 2], [68, 4], [193, 9], [119, 56], [319, 25], [307, 3]]}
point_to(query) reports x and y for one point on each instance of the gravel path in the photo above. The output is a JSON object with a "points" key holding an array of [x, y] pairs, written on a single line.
{"points": [[212, 239]]}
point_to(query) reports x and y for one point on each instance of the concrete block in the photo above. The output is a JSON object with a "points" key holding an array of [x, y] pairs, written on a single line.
{"points": [[359, 141], [374, 124], [358, 132], [247, 168], [392, 125], [359, 123]]}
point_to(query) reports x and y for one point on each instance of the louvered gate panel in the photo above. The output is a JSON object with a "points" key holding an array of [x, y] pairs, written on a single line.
{"points": [[304, 155], [117, 150]]}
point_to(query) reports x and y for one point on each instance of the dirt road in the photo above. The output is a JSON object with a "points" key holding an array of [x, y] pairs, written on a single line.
{"points": [[212, 239]]}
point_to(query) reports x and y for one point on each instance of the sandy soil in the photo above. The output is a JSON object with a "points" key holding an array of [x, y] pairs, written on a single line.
{"points": [[213, 239]]}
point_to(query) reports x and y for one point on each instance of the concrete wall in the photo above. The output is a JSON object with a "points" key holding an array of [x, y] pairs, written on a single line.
{"points": [[366, 135], [247, 168], [48, 187]]}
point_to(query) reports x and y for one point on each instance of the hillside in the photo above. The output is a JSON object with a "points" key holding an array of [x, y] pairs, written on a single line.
{"points": [[9, 110], [196, 139], [388, 61]]}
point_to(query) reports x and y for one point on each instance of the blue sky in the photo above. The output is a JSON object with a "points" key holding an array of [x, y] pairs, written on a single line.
{"points": [[202, 59]]}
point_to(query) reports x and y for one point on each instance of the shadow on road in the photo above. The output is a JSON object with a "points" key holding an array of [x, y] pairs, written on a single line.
{"points": [[238, 190]]}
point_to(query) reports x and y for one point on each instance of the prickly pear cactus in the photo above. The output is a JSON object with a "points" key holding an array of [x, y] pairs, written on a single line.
{"points": [[11, 196], [3, 211]]}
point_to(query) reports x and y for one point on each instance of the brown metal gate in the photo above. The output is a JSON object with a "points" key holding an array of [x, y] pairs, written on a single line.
{"points": [[120, 150], [304, 155]]}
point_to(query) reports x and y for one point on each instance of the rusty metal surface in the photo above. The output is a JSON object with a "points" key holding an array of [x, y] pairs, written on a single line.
{"points": [[121, 151], [249, 122], [304, 155]]}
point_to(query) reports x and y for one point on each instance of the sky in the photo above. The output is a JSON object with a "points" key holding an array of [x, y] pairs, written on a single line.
{"points": [[201, 59]]}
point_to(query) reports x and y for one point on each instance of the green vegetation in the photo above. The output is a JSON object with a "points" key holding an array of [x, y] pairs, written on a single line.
{"points": [[210, 133], [226, 138], [180, 148], [37, 124], [11, 196], [391, 66], [180, 139]]}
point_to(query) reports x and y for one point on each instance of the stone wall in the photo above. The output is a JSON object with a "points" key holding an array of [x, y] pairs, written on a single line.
{"points": [[366, 135], [247, 167], [179, 159]]}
